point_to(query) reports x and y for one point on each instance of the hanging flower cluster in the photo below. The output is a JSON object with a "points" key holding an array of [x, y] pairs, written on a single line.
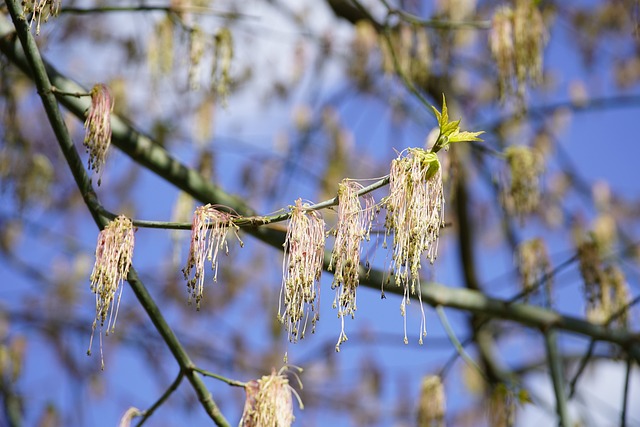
{"points": [[160, 50], [269, 401], [521, 195], [302, 267], [501, 405], [114, 251], [534, 264], [98, 127], [410, 46], [208, 236], [517, 39], [197, 44], [606, 288], [432, 403], [415, 209], [354, 224], [40, 10], [221, 68]]}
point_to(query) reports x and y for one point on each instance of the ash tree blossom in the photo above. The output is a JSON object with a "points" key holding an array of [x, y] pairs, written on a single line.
{"points": [[517, 40], [432, 403], [40, 10], [534, 264], [114, 251], [208, 237], [521, 194], [98, 127], [269, 401], [353, 226], [302, 267], [415, 208], [415, 213]]}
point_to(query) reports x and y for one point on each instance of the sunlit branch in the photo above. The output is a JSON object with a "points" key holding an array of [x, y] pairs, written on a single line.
{"points": [[269, 219], [174, 385], [36, 68]]}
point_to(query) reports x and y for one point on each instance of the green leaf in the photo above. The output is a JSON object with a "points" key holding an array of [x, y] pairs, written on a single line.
{"points": [[450, 131], [450, 128], [445, 112], [438, 115], [433, 164], [465, 136]]}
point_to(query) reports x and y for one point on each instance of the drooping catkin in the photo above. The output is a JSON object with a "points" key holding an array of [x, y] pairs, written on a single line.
{"points": [[354, 223], [302, 267]]}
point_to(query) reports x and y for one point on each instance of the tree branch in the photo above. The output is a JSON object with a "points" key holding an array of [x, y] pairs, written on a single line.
{"points": [[174, 385]]}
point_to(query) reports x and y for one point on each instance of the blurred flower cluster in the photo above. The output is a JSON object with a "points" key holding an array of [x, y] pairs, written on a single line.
{"points": [[521, 195], [517, 39]]}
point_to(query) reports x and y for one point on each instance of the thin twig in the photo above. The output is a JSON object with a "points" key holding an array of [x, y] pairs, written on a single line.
{"points": [[250, 221], [583, 364], [593, 104], [543, 279], [587, 356], [456, 343], [625, 396], [174, 385], [229, 381]]}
